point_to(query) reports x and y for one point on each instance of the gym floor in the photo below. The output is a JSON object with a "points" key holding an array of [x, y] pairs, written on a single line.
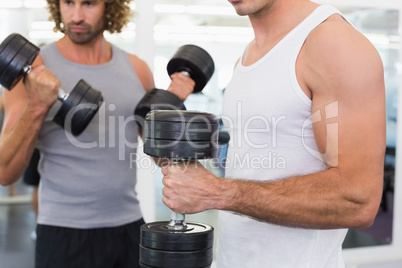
{"points": [[17, 221]]}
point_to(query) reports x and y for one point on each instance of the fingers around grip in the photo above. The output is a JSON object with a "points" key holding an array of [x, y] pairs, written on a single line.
{"points": [[196, 62], [181, 85], [16, 55]]}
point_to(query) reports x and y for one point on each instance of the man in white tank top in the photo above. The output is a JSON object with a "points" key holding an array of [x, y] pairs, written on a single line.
{"points": [[306, 112]]}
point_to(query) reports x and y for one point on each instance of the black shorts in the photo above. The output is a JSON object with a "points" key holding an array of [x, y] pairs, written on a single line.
{"points": [[31, 174], [115, 247]]}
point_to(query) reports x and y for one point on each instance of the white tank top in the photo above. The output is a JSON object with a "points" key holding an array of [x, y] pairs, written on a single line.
{"points": [[269, 119]]}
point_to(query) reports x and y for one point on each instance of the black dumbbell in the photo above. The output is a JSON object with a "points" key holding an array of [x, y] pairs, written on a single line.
{"points": [[78, 107], [187, 248], [180, 136], [194, 61], [189, 59]]}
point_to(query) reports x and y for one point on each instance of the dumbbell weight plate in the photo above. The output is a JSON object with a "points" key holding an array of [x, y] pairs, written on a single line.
{"points": [[166, 148], [180, 131], [177, 126], [86, 110], [16, 53], [82, 93], [182, 259], [181, 149], [9, 48], [158, 99], [194, 60], [223, 136], [7, 52], [197, 236], [23, 59], [182, 116], [189, 135], [69, 103], [5, 42]]}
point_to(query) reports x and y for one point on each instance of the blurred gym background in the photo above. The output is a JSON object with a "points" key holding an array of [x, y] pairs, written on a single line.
{"points": [[158, 28]]}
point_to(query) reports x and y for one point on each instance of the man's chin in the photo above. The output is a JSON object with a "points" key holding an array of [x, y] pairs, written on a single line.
{"points": [[78, 39]]}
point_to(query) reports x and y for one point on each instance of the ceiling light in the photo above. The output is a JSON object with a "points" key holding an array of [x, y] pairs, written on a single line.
{"points": [[161, 8], [211, 10], [11, 4], [42, 25], [34, 3], [45, 35]]}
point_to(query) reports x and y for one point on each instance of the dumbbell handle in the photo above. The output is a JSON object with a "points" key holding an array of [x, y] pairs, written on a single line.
{"points": [[186, 73], [62, 94], [27, 69], [177, 220]]}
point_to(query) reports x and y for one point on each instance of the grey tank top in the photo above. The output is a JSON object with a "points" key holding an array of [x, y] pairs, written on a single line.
{"points": [[89, 181]]}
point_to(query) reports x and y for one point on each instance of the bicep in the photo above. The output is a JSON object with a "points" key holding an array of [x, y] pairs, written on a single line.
{"points": [[15, 100], [14, 103], [348, 92]]}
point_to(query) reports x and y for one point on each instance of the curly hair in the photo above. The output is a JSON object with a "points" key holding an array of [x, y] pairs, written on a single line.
{"points": [[117, 15]]}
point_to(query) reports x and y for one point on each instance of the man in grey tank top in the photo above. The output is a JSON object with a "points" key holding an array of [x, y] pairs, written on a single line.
{"points": [[89, 215]]}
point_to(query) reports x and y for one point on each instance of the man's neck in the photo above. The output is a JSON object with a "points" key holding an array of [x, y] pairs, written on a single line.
{"points": [[96, 52], [272, 24]]}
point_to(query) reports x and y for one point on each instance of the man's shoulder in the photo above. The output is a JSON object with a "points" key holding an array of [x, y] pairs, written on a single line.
{"points": [[333, 52], [334, 30], [336, 40]]}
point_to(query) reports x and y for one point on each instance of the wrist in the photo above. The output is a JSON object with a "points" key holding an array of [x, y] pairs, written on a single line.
{"points": [[229, 189], [182, 95], [35, 111]]}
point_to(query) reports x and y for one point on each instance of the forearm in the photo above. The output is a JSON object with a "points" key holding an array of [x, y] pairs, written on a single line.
{"points": [[17, 143], [322, 200]]}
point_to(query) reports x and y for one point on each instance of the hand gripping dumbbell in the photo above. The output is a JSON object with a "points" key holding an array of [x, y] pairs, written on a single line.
{"points": [[180, 136], [78, 107], [191, 60]]}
